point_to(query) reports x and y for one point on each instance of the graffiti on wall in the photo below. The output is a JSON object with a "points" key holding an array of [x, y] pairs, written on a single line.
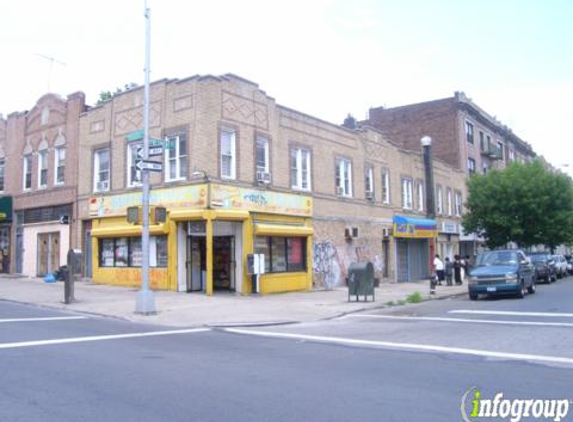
{"points": [[330, 263], [326, 265]]}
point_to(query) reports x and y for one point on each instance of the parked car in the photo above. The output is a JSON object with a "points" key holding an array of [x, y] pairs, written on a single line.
{"points": [[560, 265], [506, 271], [544, 266], [569, 259]]}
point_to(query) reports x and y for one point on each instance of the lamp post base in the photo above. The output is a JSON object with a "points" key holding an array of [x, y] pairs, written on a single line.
{"points": [[145, 303]]}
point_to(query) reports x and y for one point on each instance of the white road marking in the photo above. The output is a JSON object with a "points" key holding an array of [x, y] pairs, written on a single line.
{"points": [[512, 313], [41, 319], [99, 338], [408, 346], [476, 321]]}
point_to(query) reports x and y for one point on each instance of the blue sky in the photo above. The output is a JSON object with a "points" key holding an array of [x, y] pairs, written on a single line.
{"points": [[324, 58]]}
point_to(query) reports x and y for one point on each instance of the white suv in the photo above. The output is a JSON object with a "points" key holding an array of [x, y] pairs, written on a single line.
{"points": [[560, 266]]}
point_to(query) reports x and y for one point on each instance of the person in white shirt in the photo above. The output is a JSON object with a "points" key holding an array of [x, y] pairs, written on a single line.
{"points": [[439, 267]]}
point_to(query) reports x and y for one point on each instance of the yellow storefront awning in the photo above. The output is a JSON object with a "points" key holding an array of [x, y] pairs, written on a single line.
{"points": [[128, 230], [282, 230]]}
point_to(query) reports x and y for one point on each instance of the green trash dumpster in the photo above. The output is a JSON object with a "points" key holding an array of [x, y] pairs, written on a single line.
{"points": [[360, 280]]}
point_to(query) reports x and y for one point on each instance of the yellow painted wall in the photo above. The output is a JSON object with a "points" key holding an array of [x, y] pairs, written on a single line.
{"points": [[283, 282], [131, 277]]}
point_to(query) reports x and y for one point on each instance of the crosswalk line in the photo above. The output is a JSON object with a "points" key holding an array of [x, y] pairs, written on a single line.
{"points": [[40, 319], [512, 313]]}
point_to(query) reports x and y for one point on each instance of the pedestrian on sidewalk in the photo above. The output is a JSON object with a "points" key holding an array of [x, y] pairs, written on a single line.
{"points": [[458, 269], [439, 266], [449, 271]]}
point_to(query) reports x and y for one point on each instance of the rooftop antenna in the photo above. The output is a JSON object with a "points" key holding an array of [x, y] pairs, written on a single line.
{"points": [[52, 60]]}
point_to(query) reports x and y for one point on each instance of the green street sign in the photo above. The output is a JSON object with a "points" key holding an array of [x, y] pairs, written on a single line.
{"points": [[137, 135]]}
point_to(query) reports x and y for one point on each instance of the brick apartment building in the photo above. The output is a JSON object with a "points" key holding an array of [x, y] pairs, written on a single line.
{"points": [[242, 174], [38, 178], [465, 137]]}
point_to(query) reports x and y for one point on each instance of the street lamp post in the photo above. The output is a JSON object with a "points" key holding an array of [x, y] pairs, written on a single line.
{"points": [[426, 142], [144, 301]]}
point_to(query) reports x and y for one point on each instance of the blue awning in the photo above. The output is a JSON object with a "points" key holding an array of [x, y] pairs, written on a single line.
{"points": [[414, 227]]}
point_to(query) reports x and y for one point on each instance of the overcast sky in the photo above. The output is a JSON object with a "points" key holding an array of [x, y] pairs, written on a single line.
{"points": [[324, 58]]}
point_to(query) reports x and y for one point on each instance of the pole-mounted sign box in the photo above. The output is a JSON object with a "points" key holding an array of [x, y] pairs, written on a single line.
{"points": [[256, 264]]}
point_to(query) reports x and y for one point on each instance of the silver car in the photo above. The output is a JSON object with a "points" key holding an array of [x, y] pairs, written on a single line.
{"points": [[560, 266]]}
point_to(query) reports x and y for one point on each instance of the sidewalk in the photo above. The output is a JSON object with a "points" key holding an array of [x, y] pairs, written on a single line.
{"points": [[197, 309]]}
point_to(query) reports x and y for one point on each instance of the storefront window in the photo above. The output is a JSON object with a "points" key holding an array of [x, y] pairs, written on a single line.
{"points": [[106, 256], [127, 252], [161, 250], [135, 252], [282, 254], [262, 247], [121, 252]]}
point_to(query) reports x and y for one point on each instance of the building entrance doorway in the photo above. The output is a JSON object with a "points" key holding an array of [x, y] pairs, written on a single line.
{"points": [[48, 253], [223, 263]]}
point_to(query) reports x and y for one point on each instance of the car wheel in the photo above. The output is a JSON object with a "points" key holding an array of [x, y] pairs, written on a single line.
{"points": [[547, 279], [531, 289], [473, 296], [521, 291]]}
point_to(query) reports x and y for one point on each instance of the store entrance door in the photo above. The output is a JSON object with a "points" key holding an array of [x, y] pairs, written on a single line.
{"points": [[48, 253], [223, 263]]}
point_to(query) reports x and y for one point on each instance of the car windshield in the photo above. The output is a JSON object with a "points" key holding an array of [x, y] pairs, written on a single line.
{"points": [[539, 258], [497, 258]]}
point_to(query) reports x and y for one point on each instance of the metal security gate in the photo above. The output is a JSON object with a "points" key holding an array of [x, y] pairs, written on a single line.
{"points": [[412, 260]]}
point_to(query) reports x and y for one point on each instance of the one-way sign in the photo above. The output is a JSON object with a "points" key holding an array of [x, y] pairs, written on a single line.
{"points": [[148, 165], [152, 151]]}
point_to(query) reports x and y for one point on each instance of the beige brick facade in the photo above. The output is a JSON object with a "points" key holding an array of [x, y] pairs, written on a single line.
{"points": [[204, 106]]}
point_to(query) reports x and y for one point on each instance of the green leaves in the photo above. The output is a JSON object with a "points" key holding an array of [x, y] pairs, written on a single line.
{"points": [[524, 203]]}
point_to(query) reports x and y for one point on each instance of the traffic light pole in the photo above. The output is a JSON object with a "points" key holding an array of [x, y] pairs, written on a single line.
{"points": [[144, 301]]}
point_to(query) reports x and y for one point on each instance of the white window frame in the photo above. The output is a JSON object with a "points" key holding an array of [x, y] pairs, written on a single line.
{"points": [[407, 194], [262, 141], [42, 161], [458, 199], [27, 169], [180, 169], [301, 157], [57, 152], [344, 177], [97, 171], [369, 181], [472, 167], [420, 192], [129, 152], [449, 201], [439, 200], [385, 186], [232, 147], [511, 155]]}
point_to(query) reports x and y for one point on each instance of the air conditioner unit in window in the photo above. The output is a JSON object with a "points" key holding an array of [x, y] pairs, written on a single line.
{"points": [[103, 185], [263, 177], [369, 194], [339, 190]]}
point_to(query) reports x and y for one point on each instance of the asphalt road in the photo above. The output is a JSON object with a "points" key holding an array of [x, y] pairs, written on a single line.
{"points": [[358, 368]]}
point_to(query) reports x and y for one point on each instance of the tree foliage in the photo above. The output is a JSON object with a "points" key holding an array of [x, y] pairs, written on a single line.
{"points": [[524, 203], [108, 95]]}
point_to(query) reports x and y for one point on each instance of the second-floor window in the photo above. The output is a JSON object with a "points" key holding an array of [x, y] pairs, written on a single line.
{"points": [[176, 157], [300, 169], [101, 170], [407, 194], [60, 166], [343, 177], [262, 155], [511, 155], [449, 200], [500, 150], [27, 171], [439, 200], [470, 132], [385, 186], [458, 204], [2, 171], [43, 169], [369, 183], [481, 141], [133, 173], [471, 165], [228, 159], [420, 193]]}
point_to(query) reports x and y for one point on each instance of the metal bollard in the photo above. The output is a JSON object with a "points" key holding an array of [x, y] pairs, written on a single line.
{"points": [[69, 281]]}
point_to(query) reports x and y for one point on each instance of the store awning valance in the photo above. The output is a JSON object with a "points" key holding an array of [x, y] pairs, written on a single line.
{"points": [[414, 228], [128, 230], [282, 230]]}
